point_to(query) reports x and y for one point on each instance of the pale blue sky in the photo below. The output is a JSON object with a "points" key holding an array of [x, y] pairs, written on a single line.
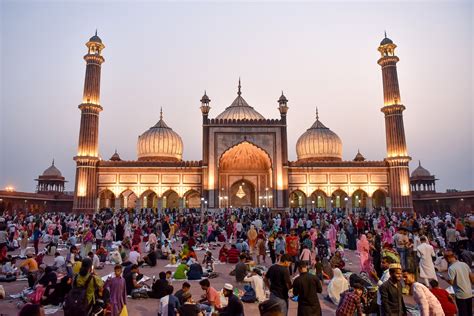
{"points": [[165, 54]]}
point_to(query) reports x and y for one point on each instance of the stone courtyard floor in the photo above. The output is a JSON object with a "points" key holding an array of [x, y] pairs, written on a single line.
{"points": [[149, 307]]}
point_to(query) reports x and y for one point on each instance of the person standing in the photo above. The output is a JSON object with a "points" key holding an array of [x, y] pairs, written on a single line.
{"points": [[307, 286], [292, 249], [401, 241], [36, 237], [425, 252], [427, 303], [363, 247], [461, 278], [118, 291], [278, 280], [391, 293]]}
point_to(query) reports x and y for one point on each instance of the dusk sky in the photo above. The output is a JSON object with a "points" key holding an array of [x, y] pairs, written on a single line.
{"points": [[162, 54]]}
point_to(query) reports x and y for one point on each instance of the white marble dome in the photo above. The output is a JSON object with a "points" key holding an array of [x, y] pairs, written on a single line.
{"points": [[319, 143], [160, 143]]}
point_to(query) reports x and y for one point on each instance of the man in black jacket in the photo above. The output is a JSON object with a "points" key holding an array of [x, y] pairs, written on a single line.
{"points": [[391, 293], [307, 286]]}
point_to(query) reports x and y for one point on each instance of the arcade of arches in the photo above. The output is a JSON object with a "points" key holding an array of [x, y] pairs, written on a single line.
{"points": [[149, 199], [338, 199]]}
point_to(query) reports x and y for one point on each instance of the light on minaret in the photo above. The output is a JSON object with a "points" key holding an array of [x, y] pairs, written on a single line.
{"points": [[87, 158], [397, 153]]}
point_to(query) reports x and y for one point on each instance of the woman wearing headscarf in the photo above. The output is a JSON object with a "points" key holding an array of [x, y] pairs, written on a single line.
{"points": [[363, 247], [336, 286], [332, 235], [252, 236]]}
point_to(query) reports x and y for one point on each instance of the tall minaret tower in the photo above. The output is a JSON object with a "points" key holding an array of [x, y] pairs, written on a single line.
{"points": [[85, 194], [397, 155]]}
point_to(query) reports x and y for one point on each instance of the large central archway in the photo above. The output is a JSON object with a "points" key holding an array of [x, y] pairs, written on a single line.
{"points": [[245, 174]]}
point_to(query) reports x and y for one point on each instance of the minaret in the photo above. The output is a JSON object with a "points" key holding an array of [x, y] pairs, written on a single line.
{"points": [[397, 155], [205, 108], [85, 194], [283, 108]]}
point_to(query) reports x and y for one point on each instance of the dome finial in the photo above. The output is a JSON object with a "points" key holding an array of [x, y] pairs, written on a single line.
{"points": [[96, 32], [419, 163], [239, 92], [385, 33], [317, 114], [53, 162], [161, 113]]}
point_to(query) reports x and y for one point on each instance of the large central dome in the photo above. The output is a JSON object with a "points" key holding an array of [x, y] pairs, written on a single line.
{"points": [[160, 143], [240, 110], [319, 143]]}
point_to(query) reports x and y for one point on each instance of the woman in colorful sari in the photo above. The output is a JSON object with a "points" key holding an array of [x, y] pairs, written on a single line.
{"points": [[87, 241], [363, 247]]}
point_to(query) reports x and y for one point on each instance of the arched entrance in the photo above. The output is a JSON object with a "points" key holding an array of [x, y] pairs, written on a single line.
{"points": [[359, 199], [379, 199], [245, 176], [319, 198], [106, 199], [192, 199], [170, 199], [242, 194], [339, 199], [128, 199], [297, 199], [149, 199]]}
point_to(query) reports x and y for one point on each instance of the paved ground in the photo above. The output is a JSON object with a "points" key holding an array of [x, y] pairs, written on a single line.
{"points": [[149, 307]]}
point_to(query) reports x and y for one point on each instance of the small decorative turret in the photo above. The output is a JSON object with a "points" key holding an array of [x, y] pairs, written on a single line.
{"points": [[205, 108], [283, 104], [359, 156]]}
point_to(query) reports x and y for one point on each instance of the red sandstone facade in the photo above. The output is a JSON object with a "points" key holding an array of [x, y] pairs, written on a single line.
{"points": [[245, 159]]}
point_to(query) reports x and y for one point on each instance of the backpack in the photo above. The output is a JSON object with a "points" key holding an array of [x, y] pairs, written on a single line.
{"points": [[76, 303]]}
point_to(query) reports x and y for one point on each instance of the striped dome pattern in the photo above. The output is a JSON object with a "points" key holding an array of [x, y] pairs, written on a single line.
{"points": [[160, 143]]}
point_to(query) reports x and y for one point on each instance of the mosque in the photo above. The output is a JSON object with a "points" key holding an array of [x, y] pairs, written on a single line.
{"points": [[244, 158]]}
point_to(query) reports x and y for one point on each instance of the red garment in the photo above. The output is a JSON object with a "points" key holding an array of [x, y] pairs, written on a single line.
{"points": [[350, 302], [233, 255], [442, 295], [292, 245]]}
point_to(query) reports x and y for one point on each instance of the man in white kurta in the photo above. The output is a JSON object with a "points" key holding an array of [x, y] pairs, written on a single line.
{"points": [[425, 252]]}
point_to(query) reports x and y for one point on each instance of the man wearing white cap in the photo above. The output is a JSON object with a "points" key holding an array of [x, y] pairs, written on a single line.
{"points": [[234, 306]]}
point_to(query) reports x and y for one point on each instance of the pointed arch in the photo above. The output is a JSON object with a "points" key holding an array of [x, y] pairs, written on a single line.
{"points": [[339, 198], [106, 199], [318, 199], [379, 198], [128, 199], [192, 199], [170, 198], [297, 199], [359, 198], [149, 199], [245, 155]]}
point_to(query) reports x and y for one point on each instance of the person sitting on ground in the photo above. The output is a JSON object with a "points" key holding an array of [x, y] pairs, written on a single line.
{"points": [[185, 288], [255, 278], [337, 261], [165, 250], [9, 272], [150, 258], [234, 306], [95, 261], [233, 254], [351, 301], [211, 298], [447, 301], [158, 288], [169, 304], [131, 280], [223, 252], [172, 257], [180, 273], [102, 254], [195, 272], [208, 261], [55, 294], [241, 269], [134, 257], [59, 262], [337, 286], [49, 277], [29, 267], [189, 307]]}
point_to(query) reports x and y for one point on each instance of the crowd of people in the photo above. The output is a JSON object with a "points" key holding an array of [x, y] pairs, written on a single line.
{"points": [[275, 257]]}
